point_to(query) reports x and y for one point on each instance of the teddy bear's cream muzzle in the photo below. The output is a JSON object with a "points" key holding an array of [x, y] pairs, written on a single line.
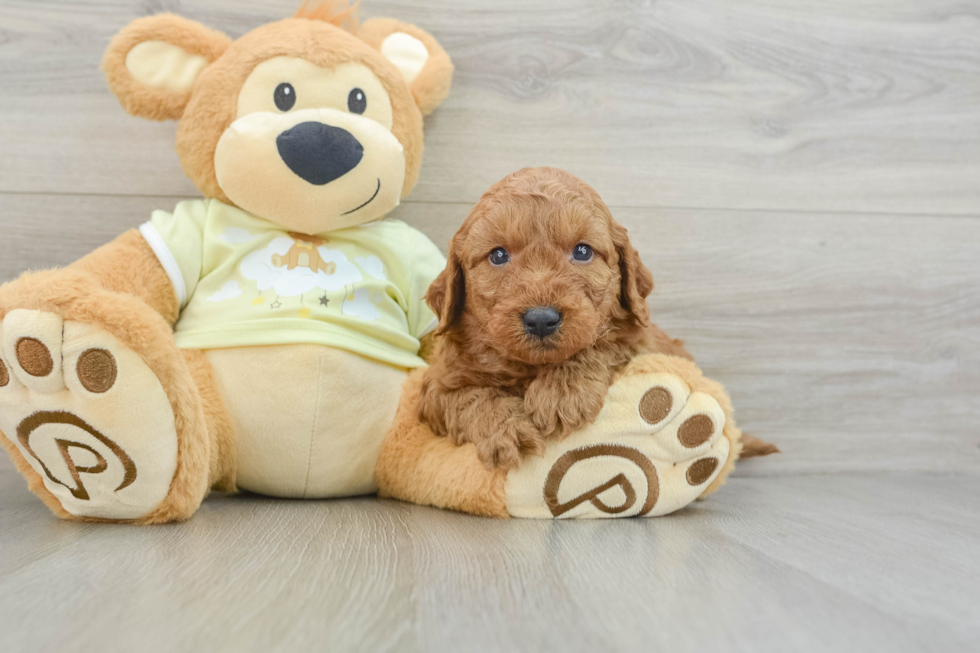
{"points": [[311, 171]]}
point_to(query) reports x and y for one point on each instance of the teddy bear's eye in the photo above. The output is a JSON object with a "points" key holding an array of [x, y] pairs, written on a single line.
{"points": [[285, 96], [357, 101]]}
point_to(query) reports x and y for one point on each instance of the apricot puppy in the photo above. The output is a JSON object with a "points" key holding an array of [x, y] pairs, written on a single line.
{"points": [[543, 299]]}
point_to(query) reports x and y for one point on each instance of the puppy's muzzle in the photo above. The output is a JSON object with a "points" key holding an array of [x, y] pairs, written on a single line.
{"points": [[319, 153], [541, 321]]}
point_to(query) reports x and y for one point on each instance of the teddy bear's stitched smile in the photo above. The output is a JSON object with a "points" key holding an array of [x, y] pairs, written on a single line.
{"points": [[376, 191]]}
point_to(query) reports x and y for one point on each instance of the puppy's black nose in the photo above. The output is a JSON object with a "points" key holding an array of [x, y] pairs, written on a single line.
{"points": [[319, 153], [541, 321]]}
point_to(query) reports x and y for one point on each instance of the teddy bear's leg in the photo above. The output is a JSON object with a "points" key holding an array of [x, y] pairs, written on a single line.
{"points": [[99, 409], [220, 432], [665, 436]]}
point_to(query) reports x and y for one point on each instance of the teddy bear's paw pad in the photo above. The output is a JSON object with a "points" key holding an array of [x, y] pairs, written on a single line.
{"points": [[87, 414], [654, 448]]}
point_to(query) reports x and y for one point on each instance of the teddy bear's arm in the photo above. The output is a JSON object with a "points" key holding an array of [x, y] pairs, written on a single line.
{"points": [[128, 265]]}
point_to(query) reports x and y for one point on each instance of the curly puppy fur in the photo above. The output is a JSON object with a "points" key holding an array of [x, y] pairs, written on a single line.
{"points": [[491, 382]]}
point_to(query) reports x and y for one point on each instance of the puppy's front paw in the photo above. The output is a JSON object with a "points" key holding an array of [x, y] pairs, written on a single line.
{"points": [[542, 410], [557, 406], [514, 438]]}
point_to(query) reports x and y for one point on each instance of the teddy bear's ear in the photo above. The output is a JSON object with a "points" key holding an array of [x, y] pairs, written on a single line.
{"points": [[152, 64], [420, 59]]}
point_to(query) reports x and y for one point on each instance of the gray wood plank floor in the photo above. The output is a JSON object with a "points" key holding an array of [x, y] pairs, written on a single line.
{"points": [[803, 178], [805, 563]]}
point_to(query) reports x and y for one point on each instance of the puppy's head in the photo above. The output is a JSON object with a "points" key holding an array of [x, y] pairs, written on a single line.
{"points": [[540, 270]]}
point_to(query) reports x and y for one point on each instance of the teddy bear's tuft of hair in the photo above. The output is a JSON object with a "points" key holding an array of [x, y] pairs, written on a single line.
{"points": [[336, 12]]}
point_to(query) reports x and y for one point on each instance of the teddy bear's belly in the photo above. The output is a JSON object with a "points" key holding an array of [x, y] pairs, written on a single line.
{"points": [[309, 420]]}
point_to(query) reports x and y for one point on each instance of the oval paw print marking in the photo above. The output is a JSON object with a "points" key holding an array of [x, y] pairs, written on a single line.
{"points": [[564, 464], [4, 375], [655, 405], [701, 470], [34, 357], [43, 418], [695, 431], [96, 370]]}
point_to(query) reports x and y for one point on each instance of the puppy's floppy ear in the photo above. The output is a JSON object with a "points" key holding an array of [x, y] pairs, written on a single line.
{"points": [[423, 63], [636, 282], [152, 64], [447, 294]]}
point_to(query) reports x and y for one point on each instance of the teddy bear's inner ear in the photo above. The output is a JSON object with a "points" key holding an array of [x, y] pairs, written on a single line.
{"points": [[407, 53], [152, 63], [162, 65], [418, 56]]}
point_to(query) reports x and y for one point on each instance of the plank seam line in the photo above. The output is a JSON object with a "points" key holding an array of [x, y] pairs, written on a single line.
{"points": [[630, 207]]}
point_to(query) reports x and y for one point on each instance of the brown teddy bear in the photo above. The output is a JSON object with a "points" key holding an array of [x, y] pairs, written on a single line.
{"points": [[259, 338]]}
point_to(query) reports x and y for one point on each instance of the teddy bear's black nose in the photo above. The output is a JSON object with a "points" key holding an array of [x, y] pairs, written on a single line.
{"points": [[319, 153]]}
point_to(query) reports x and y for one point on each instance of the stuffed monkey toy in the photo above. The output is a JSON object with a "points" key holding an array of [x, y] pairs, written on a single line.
{"points": [[260, 337]]}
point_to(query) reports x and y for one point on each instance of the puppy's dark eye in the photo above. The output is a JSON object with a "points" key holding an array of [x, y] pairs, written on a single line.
{"points": [[582, 252], [499, 256], [285, 96], [357, 101]]}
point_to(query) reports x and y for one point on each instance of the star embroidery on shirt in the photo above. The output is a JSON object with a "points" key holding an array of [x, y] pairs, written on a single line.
{"points": [[275, 304], [324, 301]]}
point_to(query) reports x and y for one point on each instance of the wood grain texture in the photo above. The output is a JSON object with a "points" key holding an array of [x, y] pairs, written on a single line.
{"points": [[801, 177], [852, 341], [811, 563], [828, 105]]}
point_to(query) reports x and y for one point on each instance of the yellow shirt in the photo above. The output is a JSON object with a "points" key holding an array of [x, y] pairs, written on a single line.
{"points": [[244, 281]]}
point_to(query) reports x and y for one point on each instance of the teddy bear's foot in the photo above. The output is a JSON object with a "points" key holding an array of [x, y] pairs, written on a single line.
{"points": [[663, 437], [88, 416]]}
